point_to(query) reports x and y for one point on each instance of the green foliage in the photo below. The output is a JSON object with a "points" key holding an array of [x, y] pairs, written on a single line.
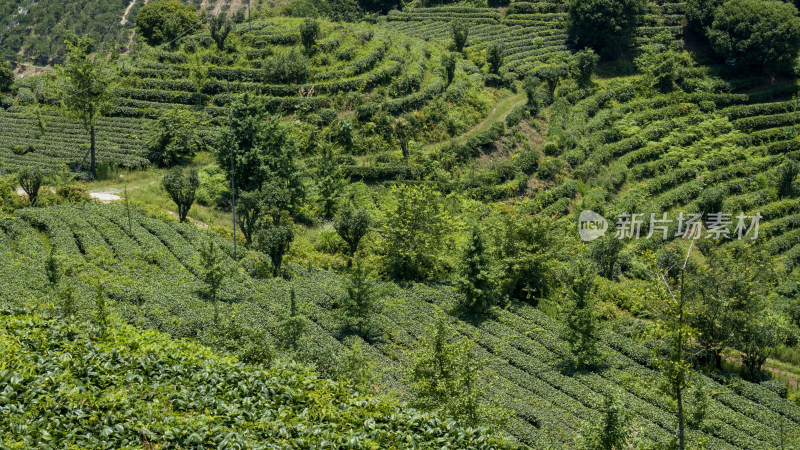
{"points": [[86, 83], [360, 303], [756, 33], [275, 241], [460, 34], [605, 253], [613, 433], [6, 76], [330, 181], [213, 272], [293, 326], [220, 27], [446, 377], [286, 66], [526, 251], [336, 10], [31, 180], [474, 280], [449, 66], [182, 188], [163, 21], [700, 13], [352, 225], [785, 177], [582, 66], [101, 313], [309, 33], [494, 57], [175, 140], [605, 25], [313, 410], [414, 233], [52, 269], [663, 64], [582, 333]]}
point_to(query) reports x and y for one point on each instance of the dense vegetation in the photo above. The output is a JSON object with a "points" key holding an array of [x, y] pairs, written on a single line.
{"points": [[403, 181]]}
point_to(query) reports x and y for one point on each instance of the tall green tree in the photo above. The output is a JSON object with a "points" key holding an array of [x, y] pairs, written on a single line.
{"points": [[449, 66], [213, 272], [174, 138], [614, 431], [182, 188], [309, 33], [352, 225], [459, 30], [414, 232], [582, 333], [605, 253], [494, 57], [474, 278], [330, 181], [762, 34], [604, 25], [220, 27], [360, 302], [582, 66], [86, 82]]}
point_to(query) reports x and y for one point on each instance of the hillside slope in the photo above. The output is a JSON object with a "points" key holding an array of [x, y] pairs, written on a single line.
{"points": [[66, 384], [150, 274]]}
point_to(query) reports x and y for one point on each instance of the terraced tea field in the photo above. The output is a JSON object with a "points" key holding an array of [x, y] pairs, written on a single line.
{"points": [[150, 270]]}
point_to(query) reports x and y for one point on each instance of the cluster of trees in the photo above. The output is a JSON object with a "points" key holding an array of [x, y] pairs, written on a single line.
{"points": [[758, 34]]}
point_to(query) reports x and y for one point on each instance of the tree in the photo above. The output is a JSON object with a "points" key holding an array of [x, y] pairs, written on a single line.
{"points": [[293, 326], [786, 174], [474, 280], [6, 76], [86, 84], [551, 74], [526, 253], [330, 181], [163, 21], [604, 25], [612, 433], [662, 62], [460, 33], [582, 66], [262, 152], [672, 313], [309, 32], [756, 33], [352, 225], [220, 27], [414, 232], [447, 377], [531, 84], [605, 253], [52, 269], [249, 209], [359, 304], [494, 57], [403, 131], [182, 188], [175, 140], [581, 318], [213, 272], [31, 179], [449, 65], [700, 13], [275, 241], [382, 6]]}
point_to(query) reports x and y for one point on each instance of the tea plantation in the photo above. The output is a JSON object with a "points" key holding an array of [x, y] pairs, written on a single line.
{"points": [[149, 272]]}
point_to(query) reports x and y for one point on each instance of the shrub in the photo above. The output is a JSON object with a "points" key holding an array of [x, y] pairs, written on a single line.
{"points": [[175, 139], [756, 33], [182, 188], [286, 67], [74, 193], [31, 179], [6, 76]]}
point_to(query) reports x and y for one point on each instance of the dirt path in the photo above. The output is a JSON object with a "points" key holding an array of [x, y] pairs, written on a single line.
{"points": [[127, 10], [500, 111]]}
